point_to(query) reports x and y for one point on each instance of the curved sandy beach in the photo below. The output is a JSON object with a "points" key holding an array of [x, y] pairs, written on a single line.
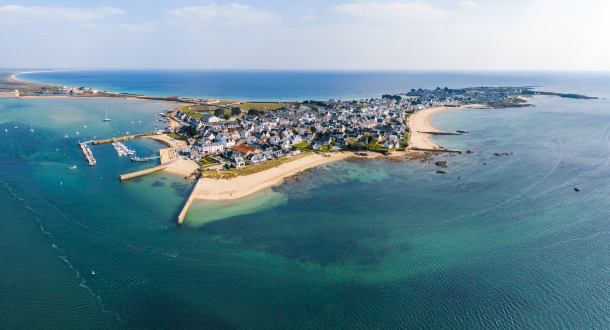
{"points": [[419, 124]]}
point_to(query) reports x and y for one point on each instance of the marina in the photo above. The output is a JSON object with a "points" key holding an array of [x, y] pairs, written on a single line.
{"points": [[121, 149], [87, 152]]}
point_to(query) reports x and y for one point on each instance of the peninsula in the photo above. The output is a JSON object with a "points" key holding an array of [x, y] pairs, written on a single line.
{"points": [[236, 148]]}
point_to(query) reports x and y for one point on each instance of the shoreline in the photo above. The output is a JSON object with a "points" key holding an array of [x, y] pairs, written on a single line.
{"points": [[242, 186], [419, 124]]}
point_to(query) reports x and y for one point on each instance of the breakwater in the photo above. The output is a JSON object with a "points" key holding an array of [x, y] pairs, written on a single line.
{"points": [[147, 171], [121, 138], [437, 150], [188, 203]]}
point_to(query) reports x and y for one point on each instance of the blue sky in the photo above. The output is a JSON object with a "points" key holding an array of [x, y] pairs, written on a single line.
{"points": [[334, 34]]}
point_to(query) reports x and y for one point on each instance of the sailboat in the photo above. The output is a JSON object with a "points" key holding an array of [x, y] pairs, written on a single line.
{"points": [[106, 116], [31, 128], [76, 132]]}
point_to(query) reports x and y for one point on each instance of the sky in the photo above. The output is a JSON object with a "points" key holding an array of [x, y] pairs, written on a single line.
{"points": [[307, 35]]}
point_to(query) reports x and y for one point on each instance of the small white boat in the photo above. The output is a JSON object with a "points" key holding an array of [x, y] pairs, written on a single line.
{"points": [[6, 130], [72, 168], [106, 116], [31, 128]]}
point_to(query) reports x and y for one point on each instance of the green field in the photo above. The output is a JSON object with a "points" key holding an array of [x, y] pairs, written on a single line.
{"points": [[261, 106]]}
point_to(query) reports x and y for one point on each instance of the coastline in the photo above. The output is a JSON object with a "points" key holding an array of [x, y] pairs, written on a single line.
{"points": [[242, 186], [419, 126]]}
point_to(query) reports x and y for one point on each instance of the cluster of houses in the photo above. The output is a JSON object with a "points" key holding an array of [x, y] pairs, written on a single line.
{"points": [[317, 124], [452, 97], [78, 90]]}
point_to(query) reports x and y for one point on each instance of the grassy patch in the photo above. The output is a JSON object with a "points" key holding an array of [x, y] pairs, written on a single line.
{"points": [[267, 165], [175, 136], [261, 106]]}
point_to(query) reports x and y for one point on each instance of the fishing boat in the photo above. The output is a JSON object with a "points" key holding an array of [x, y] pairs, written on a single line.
{"points": [[72, 168], [106, 119]]}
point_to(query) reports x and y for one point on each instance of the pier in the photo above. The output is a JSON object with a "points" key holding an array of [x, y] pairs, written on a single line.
{"points": [[147, 171], [188, 203], [88, 154]]}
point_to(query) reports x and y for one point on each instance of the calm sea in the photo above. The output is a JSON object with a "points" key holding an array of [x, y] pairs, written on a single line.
{"points": [[308, 85], [498, 242]]}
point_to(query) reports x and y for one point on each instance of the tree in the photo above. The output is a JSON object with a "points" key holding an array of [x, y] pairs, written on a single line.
{"points": [[438, 88], [313, 129], [412, 89], [253, 112], [226, 117], [369, 139], [219, 112], [189, 130], [235, 111]]}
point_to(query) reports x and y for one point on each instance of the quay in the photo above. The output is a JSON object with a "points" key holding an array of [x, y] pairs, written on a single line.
{"points": [[121, 138], [148, 171], [188, 203], [145, 159]]}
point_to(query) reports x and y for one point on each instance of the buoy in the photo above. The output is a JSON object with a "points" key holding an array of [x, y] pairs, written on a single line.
{"points": [[61, 183], [100, 177]]}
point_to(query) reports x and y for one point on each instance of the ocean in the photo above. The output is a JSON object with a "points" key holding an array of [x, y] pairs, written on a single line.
{"points": [[256, 85], [498, 242]]}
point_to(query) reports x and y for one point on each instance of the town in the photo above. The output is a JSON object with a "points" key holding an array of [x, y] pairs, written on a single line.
{"points": [[251, 137]]}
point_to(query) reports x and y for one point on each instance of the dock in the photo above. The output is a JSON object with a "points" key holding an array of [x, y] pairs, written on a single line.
{"points": [[88, 154], [147, 171], [188, 203]]}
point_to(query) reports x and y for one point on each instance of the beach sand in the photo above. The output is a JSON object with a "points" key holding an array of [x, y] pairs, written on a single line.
{"points": [[419, 123], [184, 167], [222, 189]]}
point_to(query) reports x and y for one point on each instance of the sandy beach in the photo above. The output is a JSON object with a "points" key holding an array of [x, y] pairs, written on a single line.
{"points": [[242, 186], [419, 124]]}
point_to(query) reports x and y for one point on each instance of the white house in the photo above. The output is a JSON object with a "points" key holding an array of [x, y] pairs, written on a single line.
{"points": [[238, 162]]}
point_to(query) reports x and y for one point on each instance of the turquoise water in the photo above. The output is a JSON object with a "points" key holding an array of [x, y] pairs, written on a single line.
{"points": [[354, 245], [258, 85]]}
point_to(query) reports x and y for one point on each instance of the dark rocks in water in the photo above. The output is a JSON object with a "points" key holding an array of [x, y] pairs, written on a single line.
{"points": [[484, 163], [442, 172], [502, 154], [576, 189], [463, 132], [459, 177], [469, 152], [441, 164]]}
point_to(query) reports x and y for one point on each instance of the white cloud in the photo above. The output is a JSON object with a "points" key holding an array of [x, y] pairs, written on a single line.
{"points": [[15, 13], [374, 9], [469, 3], [144, 27], [308, 18], [233, 14]]}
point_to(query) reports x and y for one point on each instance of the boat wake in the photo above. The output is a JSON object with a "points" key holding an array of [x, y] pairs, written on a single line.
{"points": [[63, 253]]}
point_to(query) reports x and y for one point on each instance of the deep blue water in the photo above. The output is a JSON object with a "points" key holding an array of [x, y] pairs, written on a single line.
{"points": [[354, 245], [308, 85]]}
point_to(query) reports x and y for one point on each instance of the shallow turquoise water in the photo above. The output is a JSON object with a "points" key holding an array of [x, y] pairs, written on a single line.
{"points": [[509, 245]]}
